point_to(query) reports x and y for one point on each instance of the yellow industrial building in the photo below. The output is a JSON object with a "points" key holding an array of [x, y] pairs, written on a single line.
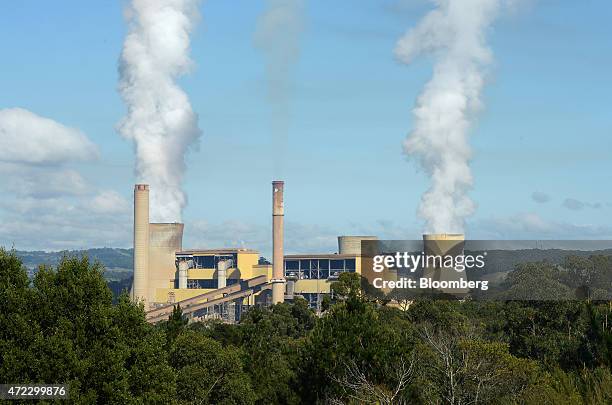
{"points": [[309, 276], [205, 281], [205, 272]]}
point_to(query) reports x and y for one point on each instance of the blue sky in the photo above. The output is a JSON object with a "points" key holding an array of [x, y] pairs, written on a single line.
{"points": [[546, 126]]}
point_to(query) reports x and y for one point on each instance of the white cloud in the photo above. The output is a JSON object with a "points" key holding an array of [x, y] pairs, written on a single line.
{"points": [[46, 204], [28, 138], [299, 238], [61, 223], [109, 202], [40, 182]]}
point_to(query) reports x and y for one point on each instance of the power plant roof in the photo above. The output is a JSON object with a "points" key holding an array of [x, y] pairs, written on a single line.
{"points": [[322, 256], [215, 251]]}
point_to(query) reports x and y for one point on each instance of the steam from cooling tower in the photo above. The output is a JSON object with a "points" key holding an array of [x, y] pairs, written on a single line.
{"points": [[278, 37], [454, 33], [160, 119]]}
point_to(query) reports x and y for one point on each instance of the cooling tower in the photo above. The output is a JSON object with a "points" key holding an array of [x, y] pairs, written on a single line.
{"points": [[278, 212], [351, 245], [444, 244], [165, 239], [141, 242]]}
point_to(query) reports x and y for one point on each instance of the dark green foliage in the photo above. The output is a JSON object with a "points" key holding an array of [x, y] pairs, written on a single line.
{"points": [[63, 327], [175, 324], [272, 340], [353, 333], [348, 285], [119, 287], [209, 373]]}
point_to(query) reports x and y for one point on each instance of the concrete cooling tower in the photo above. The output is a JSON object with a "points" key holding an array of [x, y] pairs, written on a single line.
{"points": [[351, 245], [444, 244], [165, 240]]}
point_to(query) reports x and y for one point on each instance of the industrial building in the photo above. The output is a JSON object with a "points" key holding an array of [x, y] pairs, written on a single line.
{"points": [[310, 276], [226, 281]]}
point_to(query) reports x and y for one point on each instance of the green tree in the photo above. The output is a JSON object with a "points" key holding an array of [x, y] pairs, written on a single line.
{"points": [[354, 336], [348, 285], [175, 325], [456, 367], [207, 372], [272, 340], [64, 329]]}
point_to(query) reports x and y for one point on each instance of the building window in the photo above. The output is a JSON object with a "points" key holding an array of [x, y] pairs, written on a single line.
{"points": [[304, 265], [307, 269], [212, 261], [204, 262], [202, 283], [337, 265], [350, 265]]}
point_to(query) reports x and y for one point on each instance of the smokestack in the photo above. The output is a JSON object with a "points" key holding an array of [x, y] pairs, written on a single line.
{"points": [[141, 242], [278, 213]]}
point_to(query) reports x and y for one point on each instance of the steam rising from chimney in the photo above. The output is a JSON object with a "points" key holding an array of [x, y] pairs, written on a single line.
{"points": [[160, 119], [454, 33], [278, 37]]}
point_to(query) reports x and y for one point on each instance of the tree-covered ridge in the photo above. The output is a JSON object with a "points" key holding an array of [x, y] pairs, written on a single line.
{"points": [[61, 327], [111, 258]]}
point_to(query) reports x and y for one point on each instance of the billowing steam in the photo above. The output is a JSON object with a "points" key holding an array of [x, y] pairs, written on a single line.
{"points": [[454, 33], [278, 37], [160, 119]]}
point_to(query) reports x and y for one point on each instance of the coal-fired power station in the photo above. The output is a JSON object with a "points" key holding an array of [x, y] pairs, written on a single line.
{"points": [[223, 282]]}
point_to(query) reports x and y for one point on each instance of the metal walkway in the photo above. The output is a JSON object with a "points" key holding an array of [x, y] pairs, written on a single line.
{"points": [[208, 299]]}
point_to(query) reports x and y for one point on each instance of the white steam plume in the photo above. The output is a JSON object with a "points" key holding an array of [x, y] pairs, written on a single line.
{"points": [[160, 119], [278, 37], [454, 33]]}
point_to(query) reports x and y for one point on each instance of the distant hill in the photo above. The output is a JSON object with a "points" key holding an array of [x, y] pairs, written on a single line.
{"points": [[118, 262], [504, 261]]}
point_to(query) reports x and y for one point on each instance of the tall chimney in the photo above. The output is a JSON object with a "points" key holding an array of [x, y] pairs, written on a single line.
{"points": [[141, 242], [278, 212]]}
